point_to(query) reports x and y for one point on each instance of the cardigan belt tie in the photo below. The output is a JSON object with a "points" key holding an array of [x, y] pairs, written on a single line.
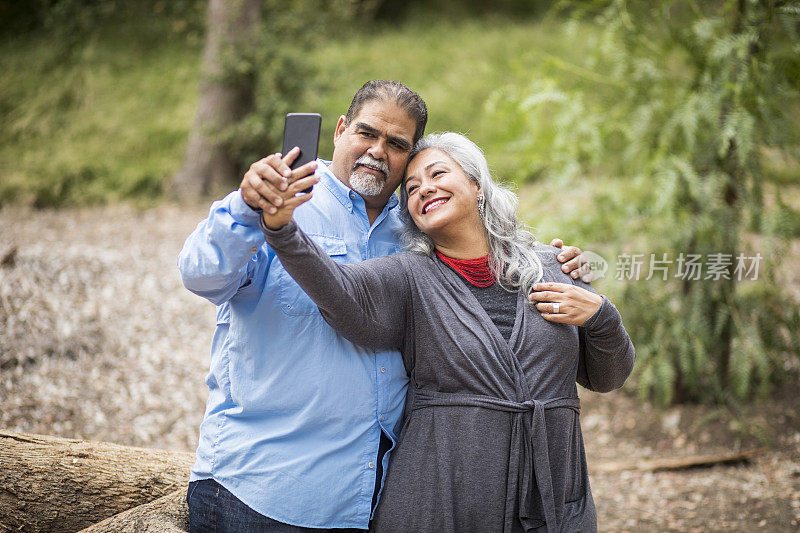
{"points": [[529, 452]]}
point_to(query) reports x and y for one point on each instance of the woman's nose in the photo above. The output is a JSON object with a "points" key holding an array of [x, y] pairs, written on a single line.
{"points": [[427, 188]]}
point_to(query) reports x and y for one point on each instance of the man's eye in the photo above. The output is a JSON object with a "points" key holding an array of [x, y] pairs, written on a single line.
{"points": [[367, 134]]}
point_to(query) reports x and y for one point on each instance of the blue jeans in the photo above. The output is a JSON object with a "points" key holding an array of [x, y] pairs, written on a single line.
{"points": [[212, 508]]}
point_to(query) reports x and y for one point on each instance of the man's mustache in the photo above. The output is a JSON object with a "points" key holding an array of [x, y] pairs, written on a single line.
{"points": [[369, 161]]}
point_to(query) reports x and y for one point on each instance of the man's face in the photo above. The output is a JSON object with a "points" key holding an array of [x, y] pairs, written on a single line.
{"points": [[370, 154]]}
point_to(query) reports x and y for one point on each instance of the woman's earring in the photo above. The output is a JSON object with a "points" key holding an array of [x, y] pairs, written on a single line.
{"points": [[481, 205]]}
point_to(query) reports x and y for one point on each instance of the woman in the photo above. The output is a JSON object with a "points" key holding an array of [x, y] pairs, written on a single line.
{"points": [[492, 439]]}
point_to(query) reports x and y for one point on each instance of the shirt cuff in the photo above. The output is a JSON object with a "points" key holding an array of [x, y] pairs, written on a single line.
{"points": [[243, 213]]}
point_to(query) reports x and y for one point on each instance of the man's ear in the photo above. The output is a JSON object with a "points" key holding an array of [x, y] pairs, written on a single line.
{"points": [[341, 125]]}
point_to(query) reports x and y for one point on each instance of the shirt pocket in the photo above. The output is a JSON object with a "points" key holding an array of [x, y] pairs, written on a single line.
{"points": [[293, 300]]}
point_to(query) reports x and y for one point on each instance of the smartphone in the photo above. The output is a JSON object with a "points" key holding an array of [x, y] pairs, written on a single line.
{"points": [[302, 130]]}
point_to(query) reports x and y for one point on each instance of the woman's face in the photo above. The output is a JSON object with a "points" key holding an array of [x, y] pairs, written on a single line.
{"points": [[440, 195]]}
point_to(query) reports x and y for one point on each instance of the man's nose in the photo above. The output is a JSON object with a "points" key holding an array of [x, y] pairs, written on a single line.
{"points": [[378, 150]]}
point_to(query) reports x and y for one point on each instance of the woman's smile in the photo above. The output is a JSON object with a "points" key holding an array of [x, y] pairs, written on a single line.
{"points": [[433, 204]]}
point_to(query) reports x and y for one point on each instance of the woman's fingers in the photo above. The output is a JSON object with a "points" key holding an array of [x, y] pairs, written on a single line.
{"points": [[552, 307], [291, 198], [301, 185], [284, 214], [552, 286], [303, 171], [266, 184], [546, 296], [295, 201], [559, 318]]}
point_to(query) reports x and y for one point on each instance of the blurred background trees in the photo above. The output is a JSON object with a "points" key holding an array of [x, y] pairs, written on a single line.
{"points": [[227, 90], [250, 79], [708, 89], [632, 128], [698, 101]]}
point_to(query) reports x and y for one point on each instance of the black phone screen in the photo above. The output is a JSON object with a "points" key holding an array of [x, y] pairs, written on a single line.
{"points": [[302, 130]]}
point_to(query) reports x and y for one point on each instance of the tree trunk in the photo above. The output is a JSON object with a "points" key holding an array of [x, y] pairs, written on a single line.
{"points": [[225, 97], [55, 484]]}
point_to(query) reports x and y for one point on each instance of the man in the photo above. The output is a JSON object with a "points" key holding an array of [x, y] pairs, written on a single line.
{"points": [[300, 422]]}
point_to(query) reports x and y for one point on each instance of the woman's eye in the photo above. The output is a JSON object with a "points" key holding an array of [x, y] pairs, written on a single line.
{"points": [[437, 173], [411, 189]]}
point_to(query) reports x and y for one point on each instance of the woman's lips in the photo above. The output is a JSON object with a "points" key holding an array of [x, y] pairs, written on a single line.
{"points": [[433, 204]]}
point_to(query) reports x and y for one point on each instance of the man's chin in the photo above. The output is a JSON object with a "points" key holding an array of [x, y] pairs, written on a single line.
{"points": [[366, 184]]}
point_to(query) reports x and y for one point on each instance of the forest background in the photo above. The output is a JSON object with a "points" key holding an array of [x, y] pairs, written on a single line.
{"points": [[664, 137]]}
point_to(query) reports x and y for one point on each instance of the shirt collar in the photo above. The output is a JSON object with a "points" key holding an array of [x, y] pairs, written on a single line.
{"points": [[346, 196]]}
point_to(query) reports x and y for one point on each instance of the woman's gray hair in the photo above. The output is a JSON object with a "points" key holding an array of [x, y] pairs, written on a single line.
{"points": [[512, 255]]}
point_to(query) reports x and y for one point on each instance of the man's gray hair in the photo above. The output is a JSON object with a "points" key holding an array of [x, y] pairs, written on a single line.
{"points": [[391, 91], [512, 254]]}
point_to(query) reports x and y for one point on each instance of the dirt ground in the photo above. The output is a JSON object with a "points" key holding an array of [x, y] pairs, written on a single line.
{"points": [[100, 341]]}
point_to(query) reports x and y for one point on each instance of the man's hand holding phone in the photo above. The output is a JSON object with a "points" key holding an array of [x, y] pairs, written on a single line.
{"points": [[279, 213], [265, 183]]}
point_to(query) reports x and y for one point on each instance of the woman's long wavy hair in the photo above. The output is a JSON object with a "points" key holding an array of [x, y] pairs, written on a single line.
{"points": [[512, 255]]}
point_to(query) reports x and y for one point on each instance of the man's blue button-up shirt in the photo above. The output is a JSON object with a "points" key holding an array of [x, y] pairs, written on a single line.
{"points": [[294, 411]]}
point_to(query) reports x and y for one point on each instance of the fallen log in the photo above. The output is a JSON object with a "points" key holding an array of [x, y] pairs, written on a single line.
{"points": [[167, 514], [660, 464], [65, 485]]}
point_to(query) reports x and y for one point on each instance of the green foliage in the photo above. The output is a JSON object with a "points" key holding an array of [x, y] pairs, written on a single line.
{"points": [[119, 106], [691, 100], [106, 121], [455, 65], [541, 114], [97, 99]]}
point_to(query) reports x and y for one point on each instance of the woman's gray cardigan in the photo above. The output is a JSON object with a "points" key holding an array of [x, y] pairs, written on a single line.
{"points": [[492, 439]]}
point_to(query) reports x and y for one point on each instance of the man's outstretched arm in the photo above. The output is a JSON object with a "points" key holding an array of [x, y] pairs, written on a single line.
{"points": [[220, 255]]}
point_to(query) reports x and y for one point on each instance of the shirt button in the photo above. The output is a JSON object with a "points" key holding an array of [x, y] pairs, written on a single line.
{"points": [[383, 369], [371, 464], [381, 418]]}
